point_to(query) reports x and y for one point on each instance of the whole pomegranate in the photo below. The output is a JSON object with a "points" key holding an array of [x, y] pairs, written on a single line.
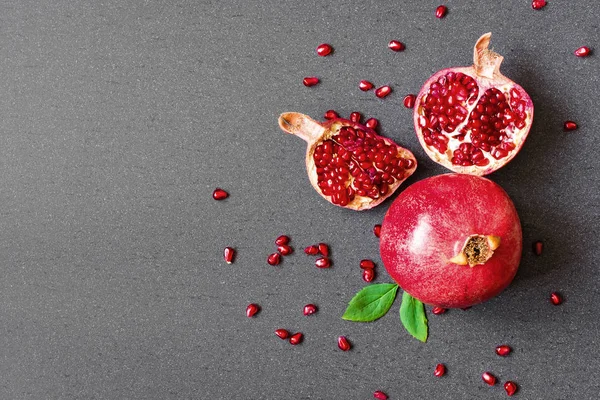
{"points": [[473, 119], [452, 240], [349, 164]]}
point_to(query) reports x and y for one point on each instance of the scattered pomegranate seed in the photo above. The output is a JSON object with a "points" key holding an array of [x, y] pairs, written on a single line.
{"points": [[282, 333], [367, 264], [251, 310], [409, 101], [440, 370], [379, 395], [274, 259], [538, 247], [296, 338], [372, 123], [283, 239], [538, 4], [220, 194], [441, 11], [284, 250], [323, 262], [438, 310], [368, 275], [556, 298], [510, 388], [311, 250], [583, 51], [503, 350], [570, 126], [323, 249], [228, 254], [330, 114], [377, 230], [395, 45], [324, 49], [488, 378], [365, 86], [309, 309], [383, 91], [355, 117], [310, 81], [343, 343]]}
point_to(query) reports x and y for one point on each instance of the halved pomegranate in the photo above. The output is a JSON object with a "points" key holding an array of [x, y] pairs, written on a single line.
{"points": [[473, 119], [349, 164]]}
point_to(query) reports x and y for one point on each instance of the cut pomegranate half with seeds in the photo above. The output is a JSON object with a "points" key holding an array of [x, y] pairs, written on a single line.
{"points": [[473, 119], [349, 164]]}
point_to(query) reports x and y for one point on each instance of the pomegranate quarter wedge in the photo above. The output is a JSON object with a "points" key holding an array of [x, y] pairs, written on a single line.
{"points": [[349, 164], [473, 119]]}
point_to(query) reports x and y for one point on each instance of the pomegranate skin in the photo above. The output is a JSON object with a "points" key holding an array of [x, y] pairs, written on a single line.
{"points": [[429, 223]]}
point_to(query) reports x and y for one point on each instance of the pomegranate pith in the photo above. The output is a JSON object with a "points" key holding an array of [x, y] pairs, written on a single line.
{"points": [[473, 119], [452, 240], [349, 164]]}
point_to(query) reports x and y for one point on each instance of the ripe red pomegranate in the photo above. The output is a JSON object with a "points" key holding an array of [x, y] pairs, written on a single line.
{"points": [[452, 240], [473, 119], [349, 164]]}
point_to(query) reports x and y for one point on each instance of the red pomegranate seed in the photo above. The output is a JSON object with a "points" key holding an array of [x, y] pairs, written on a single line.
{"points": [[309, 309], [311, 250], [355, 117], [503, 350], [438, 310], [228, 254], [368, 275], [282, 333], [488, 378], [395, 45], [310, 81], [441, 11], [251, 310], [323, 249], [570, 126], [510, 388], [583, 51], [284, 250], [323, 262], [556, 298], [372, 123], [330, 114], [365, 86], [379, 395], [296, 338], [538, 247], [220, 194], [274, 259], [409, 101], [283, 239], [383, 91], [538, 4], [440, 370], [343, 343], [324, 49], [367, 264], [377, 230]]}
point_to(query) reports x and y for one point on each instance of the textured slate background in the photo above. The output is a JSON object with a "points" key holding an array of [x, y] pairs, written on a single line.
{"points": [[118, 119]]}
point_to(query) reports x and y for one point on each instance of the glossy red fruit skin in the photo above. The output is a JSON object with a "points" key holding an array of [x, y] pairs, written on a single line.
{"points": [[296, 338], [503, 350], [309, 309], [282, 333], [324, 49], [427, 225], [510, 388], [440, 370], [343, 343], [379, 395], [488, 378]]}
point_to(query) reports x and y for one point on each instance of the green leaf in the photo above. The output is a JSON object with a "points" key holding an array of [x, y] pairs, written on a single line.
{"points": [[412, 315], [371, 302]]}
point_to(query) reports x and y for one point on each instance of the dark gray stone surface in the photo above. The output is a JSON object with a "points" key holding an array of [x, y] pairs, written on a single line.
{"points": [[118, 119]]}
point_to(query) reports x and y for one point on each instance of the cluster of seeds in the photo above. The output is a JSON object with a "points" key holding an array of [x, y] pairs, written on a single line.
{"points": [[283, 249]]}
